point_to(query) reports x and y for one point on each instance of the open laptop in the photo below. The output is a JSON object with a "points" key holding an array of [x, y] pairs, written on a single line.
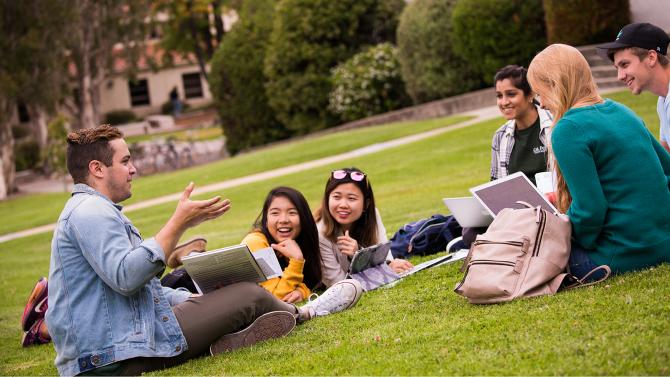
{"points": [[468, 211], [505, 192]]}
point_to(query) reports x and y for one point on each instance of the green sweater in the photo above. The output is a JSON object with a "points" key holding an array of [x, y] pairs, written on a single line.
{"points": [[618, 176]]}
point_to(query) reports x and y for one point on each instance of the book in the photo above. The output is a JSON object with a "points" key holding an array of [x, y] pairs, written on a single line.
{"points": [[229, 265]]}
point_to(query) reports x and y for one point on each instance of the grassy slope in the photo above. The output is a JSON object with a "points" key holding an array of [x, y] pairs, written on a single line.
{"points": [[35, 211], [419, 327]]}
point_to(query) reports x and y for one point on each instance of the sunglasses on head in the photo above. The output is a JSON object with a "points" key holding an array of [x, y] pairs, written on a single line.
{"points": [[354, 175]]}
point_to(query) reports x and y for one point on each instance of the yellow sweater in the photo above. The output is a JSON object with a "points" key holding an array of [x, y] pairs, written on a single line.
{"points": [[292, 277]]}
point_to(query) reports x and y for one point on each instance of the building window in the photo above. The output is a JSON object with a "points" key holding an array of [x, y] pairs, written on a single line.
{"points": [[139, 93], [192, 85]]}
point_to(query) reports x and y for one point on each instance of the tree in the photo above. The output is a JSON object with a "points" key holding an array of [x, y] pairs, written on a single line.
{"points": [[430, 68], [96, 28], [309, 38], [32, 70], [237, 80], [491, 34], [193, 26]]}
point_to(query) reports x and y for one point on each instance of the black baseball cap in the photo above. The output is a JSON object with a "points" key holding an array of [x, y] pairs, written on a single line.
{"points": [[640, 34]]}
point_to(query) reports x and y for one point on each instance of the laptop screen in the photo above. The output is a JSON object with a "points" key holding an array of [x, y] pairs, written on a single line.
{"points": [[505, 192]]}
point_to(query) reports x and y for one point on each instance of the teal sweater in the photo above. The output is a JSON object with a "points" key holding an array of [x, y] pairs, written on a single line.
{"points": [[618, 176]]}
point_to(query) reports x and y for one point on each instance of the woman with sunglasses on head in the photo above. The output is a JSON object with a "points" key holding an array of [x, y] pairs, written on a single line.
{"points": [[612, 174], [348, 221], [286, 224]]}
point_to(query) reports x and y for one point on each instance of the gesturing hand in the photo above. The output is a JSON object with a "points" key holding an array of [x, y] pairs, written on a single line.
{"points": [[347, 245], [288, 248], [190, 213]]}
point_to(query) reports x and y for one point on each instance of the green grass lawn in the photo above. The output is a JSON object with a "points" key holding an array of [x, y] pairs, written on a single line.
{"points": [[44, 209], [418, 327]]}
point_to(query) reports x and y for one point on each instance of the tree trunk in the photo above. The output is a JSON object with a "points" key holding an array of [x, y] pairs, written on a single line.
{"points": [[193, 29], [38, 124], [86, 111], [218, 21], [7, 169]]}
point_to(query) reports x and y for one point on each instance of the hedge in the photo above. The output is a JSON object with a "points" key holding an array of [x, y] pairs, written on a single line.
{"points": [[583, 22]]}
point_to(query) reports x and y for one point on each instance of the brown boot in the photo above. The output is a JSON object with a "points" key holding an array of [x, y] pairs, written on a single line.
{"points": [[194, 245]]}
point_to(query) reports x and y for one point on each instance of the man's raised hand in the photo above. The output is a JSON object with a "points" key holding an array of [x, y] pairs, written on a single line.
{"points": [[190, 213]]}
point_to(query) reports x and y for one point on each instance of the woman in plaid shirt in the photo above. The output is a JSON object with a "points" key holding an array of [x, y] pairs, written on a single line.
{"points": [[520, 143]]}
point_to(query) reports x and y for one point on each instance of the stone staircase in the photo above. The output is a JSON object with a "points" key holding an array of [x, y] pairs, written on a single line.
{"points": [[603, 70]]}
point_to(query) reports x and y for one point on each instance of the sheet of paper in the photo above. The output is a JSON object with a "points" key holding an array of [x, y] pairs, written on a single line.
{"points": [[267, 260]]}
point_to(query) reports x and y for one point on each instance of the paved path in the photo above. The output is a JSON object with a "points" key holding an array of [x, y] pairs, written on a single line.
{"points": [[479, 116]]}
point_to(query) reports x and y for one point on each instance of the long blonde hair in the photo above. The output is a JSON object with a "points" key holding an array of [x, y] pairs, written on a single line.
{"points": [[562, 77]]}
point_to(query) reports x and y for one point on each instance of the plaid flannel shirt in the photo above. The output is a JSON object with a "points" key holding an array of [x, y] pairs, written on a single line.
{"points": [[503, 143]]}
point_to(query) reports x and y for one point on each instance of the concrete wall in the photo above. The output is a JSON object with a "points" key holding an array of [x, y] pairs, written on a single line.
{"points": [[656, 12], [115, 94], [448, 106]]}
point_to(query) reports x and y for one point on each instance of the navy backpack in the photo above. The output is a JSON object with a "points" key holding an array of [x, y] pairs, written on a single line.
{"points": [[425, 236]]}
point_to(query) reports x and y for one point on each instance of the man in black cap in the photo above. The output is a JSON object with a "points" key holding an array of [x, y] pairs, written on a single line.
{"points": [[639, 54]]}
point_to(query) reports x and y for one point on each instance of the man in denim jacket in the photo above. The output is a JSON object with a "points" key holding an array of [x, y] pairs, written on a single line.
{"points": [[108, 313]]}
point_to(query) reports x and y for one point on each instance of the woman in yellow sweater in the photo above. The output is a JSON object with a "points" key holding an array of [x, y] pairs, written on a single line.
{"points": [[286, 224]]}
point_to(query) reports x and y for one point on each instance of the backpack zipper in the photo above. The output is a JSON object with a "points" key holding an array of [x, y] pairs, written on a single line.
{"points": [[489, 261], [540, 232], [466, 262]]}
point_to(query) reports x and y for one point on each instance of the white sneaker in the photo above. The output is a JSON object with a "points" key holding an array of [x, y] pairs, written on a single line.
{"points": [[340, 296]]}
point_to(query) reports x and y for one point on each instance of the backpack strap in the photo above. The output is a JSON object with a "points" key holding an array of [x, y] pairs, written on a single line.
{"points": [[578, 283]]}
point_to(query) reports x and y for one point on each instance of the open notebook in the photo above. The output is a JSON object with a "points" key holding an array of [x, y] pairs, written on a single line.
{"points": [[234, 264]]}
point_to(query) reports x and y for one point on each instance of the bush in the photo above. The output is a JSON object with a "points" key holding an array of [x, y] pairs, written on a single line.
{"points": [[237, 80], [26, 154], [430, 68], [19, 132], [581, 22], [166, 107], [491, 34], [56, 148], [309, 37], [367, 84], [117, 117]]}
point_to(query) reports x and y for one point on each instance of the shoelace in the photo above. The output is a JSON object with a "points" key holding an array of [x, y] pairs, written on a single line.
{"points": [[327, 300]]}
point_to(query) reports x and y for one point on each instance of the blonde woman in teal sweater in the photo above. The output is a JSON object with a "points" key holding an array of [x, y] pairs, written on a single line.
{"points": [[612, 174]]}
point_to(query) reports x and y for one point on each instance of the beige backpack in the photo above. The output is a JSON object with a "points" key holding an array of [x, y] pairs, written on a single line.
{"points": [[524, 253]]}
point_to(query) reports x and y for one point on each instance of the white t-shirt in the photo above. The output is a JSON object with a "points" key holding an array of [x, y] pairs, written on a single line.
{"points": [[663, 110]]}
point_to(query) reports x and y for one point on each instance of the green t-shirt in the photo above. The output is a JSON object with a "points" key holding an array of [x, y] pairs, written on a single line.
{"points": [[529, 155]]}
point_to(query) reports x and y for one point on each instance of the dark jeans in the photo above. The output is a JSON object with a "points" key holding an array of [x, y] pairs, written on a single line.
{"points": [[205, 319], [581, 264]]}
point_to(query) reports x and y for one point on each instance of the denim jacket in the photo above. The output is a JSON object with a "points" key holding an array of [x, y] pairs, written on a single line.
{"points": [[105, 302]]}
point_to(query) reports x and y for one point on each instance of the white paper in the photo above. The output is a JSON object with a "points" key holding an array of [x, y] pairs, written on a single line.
{"points": [[267, 260]]}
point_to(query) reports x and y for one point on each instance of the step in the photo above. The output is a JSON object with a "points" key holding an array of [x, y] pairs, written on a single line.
{"points": [[609, 83], [604, 71]]}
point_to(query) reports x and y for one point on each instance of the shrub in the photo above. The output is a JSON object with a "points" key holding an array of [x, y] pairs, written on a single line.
{"points": [[491, 34], [237, 80], [309, 37], [26, 154], [20, 131], [581, 22], [56, 148], [117, 117], [430, 68], [367, 84], [166, 107]]}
